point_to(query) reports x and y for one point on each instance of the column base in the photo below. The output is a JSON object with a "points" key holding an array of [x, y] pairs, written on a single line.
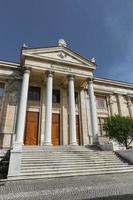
{"points": [[95, 140], [48, 144], [73, 144], [17, 146]]}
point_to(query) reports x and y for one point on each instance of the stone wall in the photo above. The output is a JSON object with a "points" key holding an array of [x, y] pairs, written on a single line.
{"points": [[9, 112]]}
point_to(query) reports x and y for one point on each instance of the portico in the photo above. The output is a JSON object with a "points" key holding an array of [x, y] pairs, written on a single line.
{"points": [[49, 113], [69, 73], [44, 126]]}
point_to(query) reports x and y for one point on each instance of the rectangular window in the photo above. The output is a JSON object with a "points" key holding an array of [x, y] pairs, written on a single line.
{"points": [[76, 97], [2, 85], [101, 102], [34, 93], [101, 121], [56, 96]]}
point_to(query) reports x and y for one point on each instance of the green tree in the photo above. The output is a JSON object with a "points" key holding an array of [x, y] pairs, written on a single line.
{"points": [[120, 129]]}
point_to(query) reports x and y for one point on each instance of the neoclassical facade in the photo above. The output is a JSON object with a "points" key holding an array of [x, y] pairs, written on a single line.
{"points": [[52, 98]]}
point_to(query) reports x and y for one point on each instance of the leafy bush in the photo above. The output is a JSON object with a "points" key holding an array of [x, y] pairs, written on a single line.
{"points": [[120, 129]]}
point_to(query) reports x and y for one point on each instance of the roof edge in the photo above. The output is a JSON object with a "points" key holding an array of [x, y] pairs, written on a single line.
{"points": [[112, 82]]}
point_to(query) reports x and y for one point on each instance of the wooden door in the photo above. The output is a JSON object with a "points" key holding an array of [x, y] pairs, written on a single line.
{"points": [[77, 129], [55, 129], [31, 129]]}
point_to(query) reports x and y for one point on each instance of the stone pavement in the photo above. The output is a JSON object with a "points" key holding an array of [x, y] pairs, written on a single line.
{"points": [[98, 187]]}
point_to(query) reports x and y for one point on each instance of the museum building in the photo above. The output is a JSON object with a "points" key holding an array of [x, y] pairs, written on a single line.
{"points": [[52, 98]]}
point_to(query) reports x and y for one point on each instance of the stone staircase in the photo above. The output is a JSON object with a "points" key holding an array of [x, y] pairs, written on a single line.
{"points": [[65, 161]]}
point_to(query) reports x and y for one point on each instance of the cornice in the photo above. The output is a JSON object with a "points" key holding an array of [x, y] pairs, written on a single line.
{"points": [[113, 82], [9, 64]]}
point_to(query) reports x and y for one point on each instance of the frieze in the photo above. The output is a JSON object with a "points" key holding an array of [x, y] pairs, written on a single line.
{"points": [[69, 70], [61, 68]]}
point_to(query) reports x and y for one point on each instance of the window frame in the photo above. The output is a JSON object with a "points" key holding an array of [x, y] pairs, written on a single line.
{"points": [[34, 97], [56, 96]]}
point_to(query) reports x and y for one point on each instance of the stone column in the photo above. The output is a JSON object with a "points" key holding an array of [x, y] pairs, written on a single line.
{"points": [[43, 112], [84, 117], [72, 118], [16, 152], [22, 108], [48, 112], [111, 104], [119, 104], [93, 112], [64, 116], [129, 104]]}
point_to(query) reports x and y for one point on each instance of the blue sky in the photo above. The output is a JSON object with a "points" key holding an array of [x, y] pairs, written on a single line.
{"points": [[94, 28]]}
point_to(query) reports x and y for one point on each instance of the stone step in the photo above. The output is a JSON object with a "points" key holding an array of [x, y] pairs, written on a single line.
{"points": [[52, 147], [68, 152], [57, 150], [67, 162], [80, 158], [70, 159], [67, 155], [73, 171], [41, 176], [70, 164], [36, 169]]}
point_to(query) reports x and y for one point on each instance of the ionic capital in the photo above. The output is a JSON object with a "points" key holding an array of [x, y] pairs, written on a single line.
{"points": [[90, 79], [71, 77], [26, 70], [49, 73]]}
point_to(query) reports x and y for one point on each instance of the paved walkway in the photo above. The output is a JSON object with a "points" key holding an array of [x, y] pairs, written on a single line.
{"points": [[100, 187]]}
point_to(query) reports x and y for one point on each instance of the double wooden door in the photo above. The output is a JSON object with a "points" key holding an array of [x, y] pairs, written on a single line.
{"points": [[31, 129], [55, 129]]}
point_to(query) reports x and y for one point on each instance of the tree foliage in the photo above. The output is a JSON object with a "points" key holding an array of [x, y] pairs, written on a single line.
{"points": [[120, 129]]}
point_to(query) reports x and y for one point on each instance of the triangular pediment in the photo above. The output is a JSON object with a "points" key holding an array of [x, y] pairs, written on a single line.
{"points": [[59, 54]]}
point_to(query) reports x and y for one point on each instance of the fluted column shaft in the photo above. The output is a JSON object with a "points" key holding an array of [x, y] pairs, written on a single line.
{"points": [[22, 107], [72, 118], [130, 106], [48, 112]]}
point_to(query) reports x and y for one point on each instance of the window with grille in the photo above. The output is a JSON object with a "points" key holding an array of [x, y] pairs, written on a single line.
{"points": [[101, 102], [34, 93], [76, 97], [101, 121], [2, 85], [56, 96]]}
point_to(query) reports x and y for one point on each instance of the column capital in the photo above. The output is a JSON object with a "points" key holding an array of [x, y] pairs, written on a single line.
{"points": [[26, 69], [71, 77], [90, 79], [129, 102], [49, 73], [110, 99]]}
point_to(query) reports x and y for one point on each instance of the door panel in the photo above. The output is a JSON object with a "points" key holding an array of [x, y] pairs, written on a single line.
{"points": [[31, 129], [77, 129], [55, 129]]}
